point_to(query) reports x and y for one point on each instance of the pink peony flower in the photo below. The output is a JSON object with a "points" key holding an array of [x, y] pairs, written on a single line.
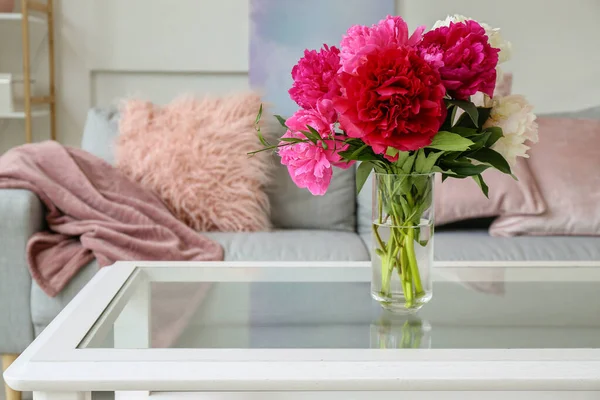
{"points": [[322, 119], [310, 165], [361, 40], [394, 99], [466, 60], [315, 77]]}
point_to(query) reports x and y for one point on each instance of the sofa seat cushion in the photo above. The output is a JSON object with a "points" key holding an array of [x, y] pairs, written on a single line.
{"points": [[292, 245], [478, 245], [285, 245]]}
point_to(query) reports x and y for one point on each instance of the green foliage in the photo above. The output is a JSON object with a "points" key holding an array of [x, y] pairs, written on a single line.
{"points": [[448, 141], [261, 137], [492, 158], [484, 187], [292, 140], [407, 166], [281, 121], [425, 163], [495, 134], [311, 134], [362, 174], [469, 108], [359, 151], [259, 115], [484, 115]]}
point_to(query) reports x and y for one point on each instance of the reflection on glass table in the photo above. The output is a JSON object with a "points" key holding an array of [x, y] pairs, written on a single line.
{"points": [[489, 313]]}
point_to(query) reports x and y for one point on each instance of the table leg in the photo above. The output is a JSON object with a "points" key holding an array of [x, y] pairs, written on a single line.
{"points": [[7, 360], [62, 395]]}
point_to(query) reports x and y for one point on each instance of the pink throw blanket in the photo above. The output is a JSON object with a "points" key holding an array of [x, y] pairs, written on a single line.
{"points": [[94, 212]]}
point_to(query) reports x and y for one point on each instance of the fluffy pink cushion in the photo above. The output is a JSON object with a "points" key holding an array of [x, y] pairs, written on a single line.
{"points": [[192, 153], [461, 199], [566, 165]]}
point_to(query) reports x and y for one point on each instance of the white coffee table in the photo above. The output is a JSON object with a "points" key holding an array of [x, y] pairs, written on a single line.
{"points": [[310, 331]]}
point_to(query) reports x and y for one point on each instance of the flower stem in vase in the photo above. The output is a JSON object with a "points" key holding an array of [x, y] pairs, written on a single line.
{"points": [[412, 262]]}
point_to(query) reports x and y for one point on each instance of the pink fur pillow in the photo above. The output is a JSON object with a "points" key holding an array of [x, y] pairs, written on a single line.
{"points": [[192, 153]]}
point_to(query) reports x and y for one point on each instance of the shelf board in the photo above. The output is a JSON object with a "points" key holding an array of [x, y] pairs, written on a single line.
{"points": [[18, 17], [21, 114]]}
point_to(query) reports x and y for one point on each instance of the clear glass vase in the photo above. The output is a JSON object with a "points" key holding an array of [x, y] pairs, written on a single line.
{"points": [[402, 256]]}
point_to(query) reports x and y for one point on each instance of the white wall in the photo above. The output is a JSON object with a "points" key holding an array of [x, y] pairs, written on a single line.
{"points": [[556, 44], [108, 49]]}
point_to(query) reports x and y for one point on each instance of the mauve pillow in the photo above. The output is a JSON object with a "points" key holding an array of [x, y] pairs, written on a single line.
{"points": [[192, 153], [462, 199], [566, 165]]}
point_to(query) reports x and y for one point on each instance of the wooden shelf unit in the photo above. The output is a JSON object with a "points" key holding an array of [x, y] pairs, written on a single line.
{"points": [[29, 112]]}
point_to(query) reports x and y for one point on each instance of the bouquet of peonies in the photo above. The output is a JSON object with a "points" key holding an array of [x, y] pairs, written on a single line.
{"points": [[406, 106]]}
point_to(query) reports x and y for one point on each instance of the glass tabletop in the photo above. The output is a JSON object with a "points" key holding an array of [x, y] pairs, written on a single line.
{"points": [[481, 310]]}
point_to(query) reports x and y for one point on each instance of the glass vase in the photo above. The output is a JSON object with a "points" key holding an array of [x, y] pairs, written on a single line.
{"points": [[402, 256]]}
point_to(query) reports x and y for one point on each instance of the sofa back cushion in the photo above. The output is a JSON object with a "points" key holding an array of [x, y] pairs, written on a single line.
{"points": [[100, 131], [295, 208]]}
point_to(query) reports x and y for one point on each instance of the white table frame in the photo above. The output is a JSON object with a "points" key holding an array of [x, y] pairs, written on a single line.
{"points": [[55, 368]]}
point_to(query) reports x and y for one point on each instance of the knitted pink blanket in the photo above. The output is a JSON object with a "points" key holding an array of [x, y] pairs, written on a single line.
{"points": [[93, 211]]}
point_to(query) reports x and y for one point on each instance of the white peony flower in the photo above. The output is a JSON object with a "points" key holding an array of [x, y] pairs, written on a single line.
{"points": [[493, 34], [516, 118]]}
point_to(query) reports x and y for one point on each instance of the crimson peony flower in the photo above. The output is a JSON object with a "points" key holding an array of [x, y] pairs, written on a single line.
{"points": [[361, 40], [466, 60], [394, 99], [314, 77]]}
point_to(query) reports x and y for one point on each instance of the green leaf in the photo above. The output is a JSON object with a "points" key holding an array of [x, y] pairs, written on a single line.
{"points": [[495, 134], [391, 152], [484, 114], [281, 121], [492, 158], [402, 157], [479, 141], [424, 164], [464, 132], [362, 174], [365, 156], [484, 187], [291, 140], [468, 107], [259, 115], [437, 168], [463, 168], [314, 131], [420, 161], [311, 134], [448, 141], [357, 152], [408, 164], [431, 160]]}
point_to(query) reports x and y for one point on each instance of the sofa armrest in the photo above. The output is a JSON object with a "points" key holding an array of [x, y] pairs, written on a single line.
{"points": [[21, 215]]}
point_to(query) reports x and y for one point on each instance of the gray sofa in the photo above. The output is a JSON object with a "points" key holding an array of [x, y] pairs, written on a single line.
{"points": [[332, 227]]}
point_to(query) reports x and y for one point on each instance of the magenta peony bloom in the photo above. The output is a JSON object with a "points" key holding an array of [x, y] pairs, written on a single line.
{"points": [[361, 40], [393, 99], [315, 77], [310, 165], [466, 61]]}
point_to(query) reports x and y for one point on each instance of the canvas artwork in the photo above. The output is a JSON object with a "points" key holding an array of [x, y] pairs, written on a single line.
{"points": [[280, 30]]}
